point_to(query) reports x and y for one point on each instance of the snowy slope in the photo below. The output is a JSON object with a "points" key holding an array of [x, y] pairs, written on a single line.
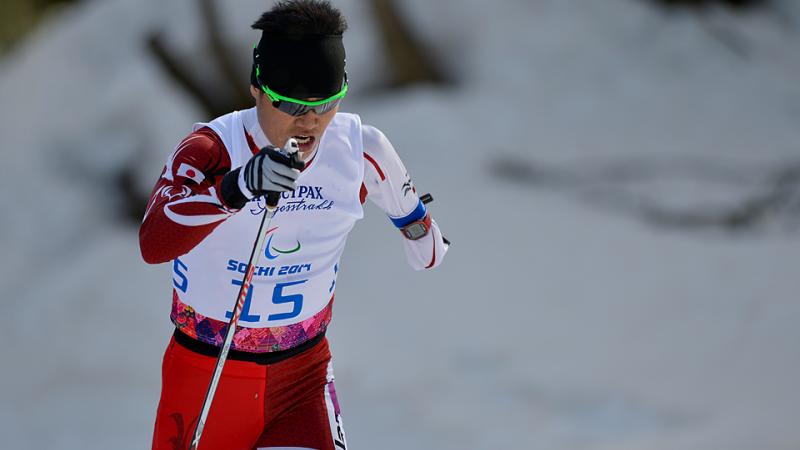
{"points": [[555, 323]]}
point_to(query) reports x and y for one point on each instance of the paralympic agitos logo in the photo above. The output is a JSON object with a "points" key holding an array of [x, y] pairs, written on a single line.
{"points": [[269, 249], [273, 252], [304, 198]]}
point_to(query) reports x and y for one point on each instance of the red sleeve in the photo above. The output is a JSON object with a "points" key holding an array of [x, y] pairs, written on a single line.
{"points": [[185, 205]]}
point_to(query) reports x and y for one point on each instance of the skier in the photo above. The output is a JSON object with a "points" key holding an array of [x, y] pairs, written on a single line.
{"points": [[276, 389]]}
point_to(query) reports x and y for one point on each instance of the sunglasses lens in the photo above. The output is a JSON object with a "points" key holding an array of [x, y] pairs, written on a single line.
{"points": [[296, 109], [293, 109], [326, 107]]}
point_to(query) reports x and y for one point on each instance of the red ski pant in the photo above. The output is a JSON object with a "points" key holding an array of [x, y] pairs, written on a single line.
{"points": [[291, 403]]}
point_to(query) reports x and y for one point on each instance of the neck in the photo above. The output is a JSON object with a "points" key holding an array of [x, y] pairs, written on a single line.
{"points": [[309, 155]]}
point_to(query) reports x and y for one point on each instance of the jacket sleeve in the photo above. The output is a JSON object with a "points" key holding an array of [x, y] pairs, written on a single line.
{"points": [[185, 205], [388, 185]]}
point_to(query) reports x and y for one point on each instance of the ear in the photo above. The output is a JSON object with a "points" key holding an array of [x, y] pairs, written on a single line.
{"points": [[255, 93]]}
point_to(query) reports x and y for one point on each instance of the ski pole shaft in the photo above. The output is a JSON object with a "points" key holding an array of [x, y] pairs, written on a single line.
{"points": [[258, 247]]}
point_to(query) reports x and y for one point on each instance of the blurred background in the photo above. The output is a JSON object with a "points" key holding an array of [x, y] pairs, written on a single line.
{"points": [[620, 178]]}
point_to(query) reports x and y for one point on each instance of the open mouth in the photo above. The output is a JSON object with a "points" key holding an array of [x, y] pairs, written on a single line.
{"points": [[306, 143], [302, 139]]}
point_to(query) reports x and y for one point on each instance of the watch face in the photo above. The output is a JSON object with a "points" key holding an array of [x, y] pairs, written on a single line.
{"points": [[416, 230]]}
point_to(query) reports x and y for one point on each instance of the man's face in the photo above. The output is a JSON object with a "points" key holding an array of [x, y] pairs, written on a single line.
{"points": [[279, 126]]}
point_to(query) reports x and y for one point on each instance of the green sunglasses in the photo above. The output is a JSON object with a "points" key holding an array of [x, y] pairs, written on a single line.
{"points": [[297, 107]]}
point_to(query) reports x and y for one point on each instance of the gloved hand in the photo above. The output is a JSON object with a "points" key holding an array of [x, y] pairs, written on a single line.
{"points": [[270, 170]]}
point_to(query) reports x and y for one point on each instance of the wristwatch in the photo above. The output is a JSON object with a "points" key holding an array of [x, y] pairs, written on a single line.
{"points": [[418, 229]]}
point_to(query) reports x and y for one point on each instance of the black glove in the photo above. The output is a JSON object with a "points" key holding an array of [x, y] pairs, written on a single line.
{"points": [[270, 170]]}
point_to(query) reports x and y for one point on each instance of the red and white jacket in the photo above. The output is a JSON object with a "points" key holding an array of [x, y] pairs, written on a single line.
{"points": [[185, 205]]}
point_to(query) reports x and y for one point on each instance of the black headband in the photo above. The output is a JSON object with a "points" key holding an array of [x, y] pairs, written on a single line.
{"points": [[302, 67]]}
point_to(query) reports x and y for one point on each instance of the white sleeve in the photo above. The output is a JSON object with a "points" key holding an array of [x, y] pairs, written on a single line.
{"points": [[389, 187]]}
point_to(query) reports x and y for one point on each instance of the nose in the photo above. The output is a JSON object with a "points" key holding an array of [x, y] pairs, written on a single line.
{"points": [[308, 120]]}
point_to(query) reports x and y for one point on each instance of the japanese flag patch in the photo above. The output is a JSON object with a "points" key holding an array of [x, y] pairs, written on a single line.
{"points": [[187, 171]]}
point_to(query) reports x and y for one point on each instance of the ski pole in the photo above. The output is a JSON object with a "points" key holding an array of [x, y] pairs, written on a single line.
{"points": [[272, 199], [427, 198]]}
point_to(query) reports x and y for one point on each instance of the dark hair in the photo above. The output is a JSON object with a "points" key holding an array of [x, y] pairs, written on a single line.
{"points": [[302, 17]]}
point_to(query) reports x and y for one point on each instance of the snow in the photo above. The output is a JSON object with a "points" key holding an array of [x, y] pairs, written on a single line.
{"points": [[556, 322]]}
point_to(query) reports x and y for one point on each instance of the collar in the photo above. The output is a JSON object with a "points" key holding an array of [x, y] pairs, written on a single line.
{"points": [[255, 135]]}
